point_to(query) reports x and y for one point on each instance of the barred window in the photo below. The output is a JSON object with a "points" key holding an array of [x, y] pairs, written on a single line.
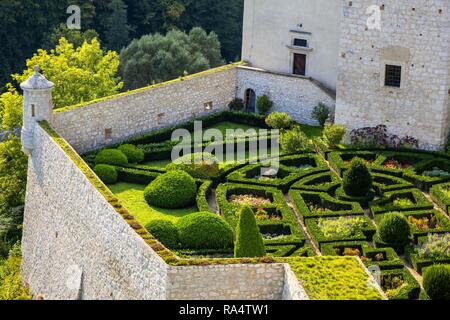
{"points": [[301, 43], [393, 76]]}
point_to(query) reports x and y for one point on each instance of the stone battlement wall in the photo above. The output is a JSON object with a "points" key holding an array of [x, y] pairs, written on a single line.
{"points": [[70, 226], [141, 111]]}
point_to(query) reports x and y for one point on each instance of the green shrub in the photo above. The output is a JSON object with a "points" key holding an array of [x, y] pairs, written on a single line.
{"points": [[204, 230], [333, 134], [321, 113], [165, 231], [279, 120], [357, 180], [113, 157], [198, 165], [11, 285], [173, 190], [236, 104], [106, 173], [133, 153], [249, 242], [394, 228], [436, 282], [263, 104], [293, 141]]}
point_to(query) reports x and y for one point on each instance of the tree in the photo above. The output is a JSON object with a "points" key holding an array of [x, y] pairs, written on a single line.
{"points": [[357, 180], [117, 30], [249, 242], [157, 58], [11, 104], [293, 141], [321, 113], [75, 37], [82, 74]]}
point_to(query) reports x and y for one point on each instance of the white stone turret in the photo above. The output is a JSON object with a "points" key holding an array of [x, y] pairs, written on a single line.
{"points": [[37, 106]]}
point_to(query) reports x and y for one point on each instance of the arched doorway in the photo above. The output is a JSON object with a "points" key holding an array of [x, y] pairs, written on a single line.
{"points": [[250, 100]]}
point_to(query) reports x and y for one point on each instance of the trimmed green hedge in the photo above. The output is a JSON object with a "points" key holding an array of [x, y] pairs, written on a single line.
{"points": [[286, 226], [415, 176], [363, 200], [412, 158], [204, 230], [319, 238], [383, 183], [133, 153], [329, 206], [326, 182], [443, 222], [204, 191], [249, 242], [106, 173], [440, 194], [136, 176], [384, 258], [385, 203], [172, 190], [165, 231], [410, 291], [111, 156]]}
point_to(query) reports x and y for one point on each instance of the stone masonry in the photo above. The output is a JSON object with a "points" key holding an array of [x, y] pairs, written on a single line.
{"points": [[415, 34]]}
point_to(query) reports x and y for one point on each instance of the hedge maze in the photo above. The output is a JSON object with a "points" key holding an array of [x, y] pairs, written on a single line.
{"points": [[301, 209]]}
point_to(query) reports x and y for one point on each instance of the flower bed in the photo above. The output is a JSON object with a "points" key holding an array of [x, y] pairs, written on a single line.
{"points": [[326, 182], [400, 200], [433, 249], [384, 258], [423, 222], [279, 228], [353, 228], [311, 204], [395, 163], [399, 285]]}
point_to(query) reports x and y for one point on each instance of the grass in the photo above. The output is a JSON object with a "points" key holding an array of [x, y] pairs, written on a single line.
{"points": [[333, 278], [311, 131], [132, 197]]}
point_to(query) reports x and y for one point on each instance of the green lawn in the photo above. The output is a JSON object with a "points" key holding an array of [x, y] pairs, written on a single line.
{"points": [[132, 197], [311, 131]]}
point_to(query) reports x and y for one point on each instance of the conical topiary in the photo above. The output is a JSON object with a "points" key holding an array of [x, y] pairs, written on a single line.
{"points": [[357, 181], [249, 242]]}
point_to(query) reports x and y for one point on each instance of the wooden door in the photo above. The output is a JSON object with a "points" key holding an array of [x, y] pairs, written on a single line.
{"points": [[300, 64]]}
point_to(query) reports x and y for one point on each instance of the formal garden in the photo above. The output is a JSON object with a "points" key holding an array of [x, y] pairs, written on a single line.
{"points": [[378, 198]]}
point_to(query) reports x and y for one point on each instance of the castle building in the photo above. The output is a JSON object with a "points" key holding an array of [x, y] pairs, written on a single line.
{"points": [[389, 62]]}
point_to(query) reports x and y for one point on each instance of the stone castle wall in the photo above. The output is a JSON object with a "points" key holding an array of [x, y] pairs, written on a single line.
{"points": [[294, 95], [69, 226], [145, 110], [414, 35]]}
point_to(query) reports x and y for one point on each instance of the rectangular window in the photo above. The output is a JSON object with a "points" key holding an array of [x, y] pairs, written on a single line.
{"points": [[108, 134], [33, 110], [299, 64], [393, 76], [159, 118], [208, 106], [301, 43]]}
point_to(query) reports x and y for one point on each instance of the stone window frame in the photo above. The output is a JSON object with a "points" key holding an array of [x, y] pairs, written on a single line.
{"points": [[384, 64]]}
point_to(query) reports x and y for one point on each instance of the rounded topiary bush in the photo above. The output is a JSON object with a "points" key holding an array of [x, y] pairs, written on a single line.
{"points": [[165, 231], [394, 228], [204, 230], [201, 165], [279, 120], [357, 180], [249, 242], [106, 173], [173, 190], [133, 153], [111, 156], [436, 282]]}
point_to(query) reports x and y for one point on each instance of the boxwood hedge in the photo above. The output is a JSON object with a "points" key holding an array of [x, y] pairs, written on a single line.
{"points": [[307, 201], [386, 203], [415, 173], [340, 160], [287, 226], [440, 194], [385, 183], [326, 182], [384, 258], [419, 263], [410, 289]]}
